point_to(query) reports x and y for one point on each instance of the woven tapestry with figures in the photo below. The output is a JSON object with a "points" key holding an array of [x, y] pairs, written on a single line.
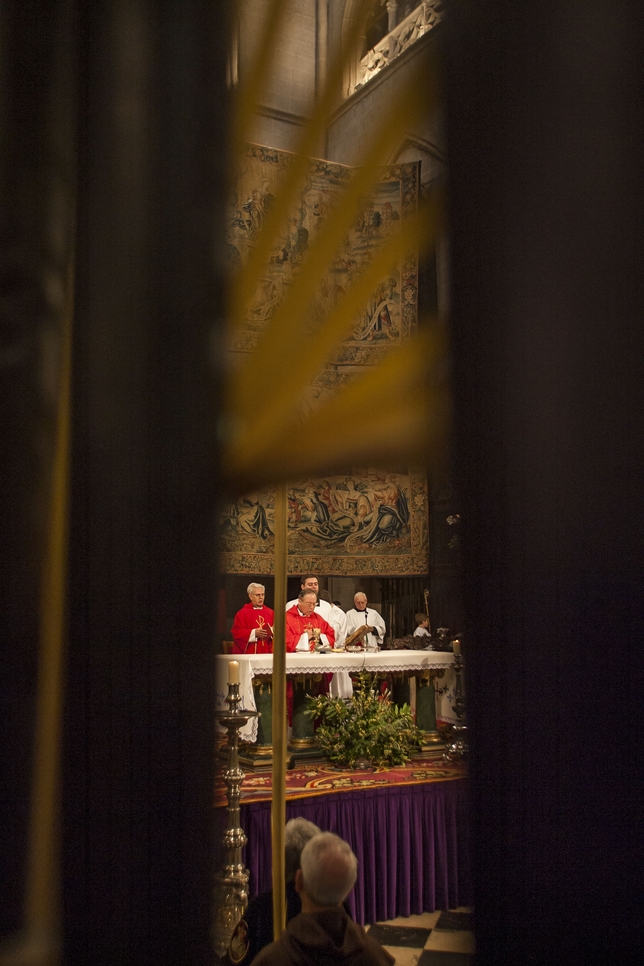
{"points": [[366, 520], [369, 522]]}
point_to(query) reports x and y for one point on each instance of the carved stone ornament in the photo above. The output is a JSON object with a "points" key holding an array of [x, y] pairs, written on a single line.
{"points": [[426, 15]]}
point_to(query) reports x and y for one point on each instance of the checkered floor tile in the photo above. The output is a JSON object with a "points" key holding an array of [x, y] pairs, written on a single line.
{"points": [[433, 939]]}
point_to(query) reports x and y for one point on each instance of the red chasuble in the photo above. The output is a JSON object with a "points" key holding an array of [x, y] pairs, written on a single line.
{"points": [[248, 619], [296, 625]]}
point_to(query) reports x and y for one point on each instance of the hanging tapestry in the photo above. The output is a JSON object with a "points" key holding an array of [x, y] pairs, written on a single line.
{"points": [[365, 521]]}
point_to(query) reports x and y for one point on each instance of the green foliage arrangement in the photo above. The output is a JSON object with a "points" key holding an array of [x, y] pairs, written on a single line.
{"points": [[368, 727]]}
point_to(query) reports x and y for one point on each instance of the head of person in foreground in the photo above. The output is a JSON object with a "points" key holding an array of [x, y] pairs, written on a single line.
{"points": [[327, 873], [297, 833]]}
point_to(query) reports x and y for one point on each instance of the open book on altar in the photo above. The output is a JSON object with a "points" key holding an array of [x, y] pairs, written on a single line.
{"points": [[357, 638]]}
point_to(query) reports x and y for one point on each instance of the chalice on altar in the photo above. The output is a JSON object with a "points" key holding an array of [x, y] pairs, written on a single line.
{"points": [[315, 638]]}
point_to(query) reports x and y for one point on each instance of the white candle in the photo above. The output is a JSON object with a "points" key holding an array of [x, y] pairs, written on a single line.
{"points": [[233, 672], [456, 645]]}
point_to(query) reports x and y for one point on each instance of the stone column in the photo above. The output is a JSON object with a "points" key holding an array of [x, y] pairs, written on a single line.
{"points": [[392, 12]]}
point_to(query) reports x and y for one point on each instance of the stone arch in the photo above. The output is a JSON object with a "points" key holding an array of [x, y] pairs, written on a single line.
{"points": [[413, 147], [353, 9]]}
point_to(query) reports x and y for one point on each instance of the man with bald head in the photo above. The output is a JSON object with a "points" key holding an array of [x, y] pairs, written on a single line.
{"points": [[323, 934]]}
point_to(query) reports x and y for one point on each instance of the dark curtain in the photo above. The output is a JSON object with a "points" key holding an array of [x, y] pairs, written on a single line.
{"points": [[36, 233], [138, 844], [402, 597], [544, 119]]}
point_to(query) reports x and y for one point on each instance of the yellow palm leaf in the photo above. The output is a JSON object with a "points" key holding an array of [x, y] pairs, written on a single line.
{"points": [[247, 280], [284, 327], [268, 442], [396, 410], [297, 364]]}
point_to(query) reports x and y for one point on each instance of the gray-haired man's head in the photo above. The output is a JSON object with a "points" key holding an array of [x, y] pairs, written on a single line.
{"points": [[328, 869], [297, 833], [256, 594]]}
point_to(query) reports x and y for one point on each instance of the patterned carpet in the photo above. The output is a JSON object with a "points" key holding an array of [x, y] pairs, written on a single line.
{"points": [[310, 779]]}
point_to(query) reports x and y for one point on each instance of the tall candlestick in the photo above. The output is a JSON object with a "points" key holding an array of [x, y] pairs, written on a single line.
{"points": [[457, 746], [231, 885]]}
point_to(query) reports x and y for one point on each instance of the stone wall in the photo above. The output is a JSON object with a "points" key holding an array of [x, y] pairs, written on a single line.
{"points": [[356, 121], [311, 36], [289, 91]]}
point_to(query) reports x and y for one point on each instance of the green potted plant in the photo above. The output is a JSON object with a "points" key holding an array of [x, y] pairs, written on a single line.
{"points": [[366, 730]]}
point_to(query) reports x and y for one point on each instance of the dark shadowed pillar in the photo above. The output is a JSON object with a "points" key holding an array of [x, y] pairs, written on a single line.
{"points": [[36, 207], [545, 111], [138, 851]]}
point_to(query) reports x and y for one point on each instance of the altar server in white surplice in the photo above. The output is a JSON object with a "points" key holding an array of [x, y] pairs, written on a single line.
{"points": [[341, 686], [336, 618], [364, 616]]}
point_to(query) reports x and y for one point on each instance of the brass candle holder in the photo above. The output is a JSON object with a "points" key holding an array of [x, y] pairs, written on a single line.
{"points": [[231, 884], [456, 746]]}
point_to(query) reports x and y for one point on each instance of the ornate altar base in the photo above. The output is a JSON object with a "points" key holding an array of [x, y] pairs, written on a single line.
{"points": [[407, 825]]}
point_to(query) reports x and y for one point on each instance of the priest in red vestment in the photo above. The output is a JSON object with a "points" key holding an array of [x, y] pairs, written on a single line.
{"points": [[252, 628], [302, 620]]}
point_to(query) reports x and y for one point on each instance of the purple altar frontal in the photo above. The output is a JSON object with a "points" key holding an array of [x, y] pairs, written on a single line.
{"points": [[411, 842]]}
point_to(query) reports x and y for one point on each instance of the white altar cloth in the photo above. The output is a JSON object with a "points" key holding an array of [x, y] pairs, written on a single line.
{"points": [[261, 665]]}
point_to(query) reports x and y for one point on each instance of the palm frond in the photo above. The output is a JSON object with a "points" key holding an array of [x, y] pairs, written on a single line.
{"points": [[246, 281], [388, 412]]}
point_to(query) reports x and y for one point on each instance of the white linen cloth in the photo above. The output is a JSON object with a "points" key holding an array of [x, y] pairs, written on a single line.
{"points": [[261, 665]]}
